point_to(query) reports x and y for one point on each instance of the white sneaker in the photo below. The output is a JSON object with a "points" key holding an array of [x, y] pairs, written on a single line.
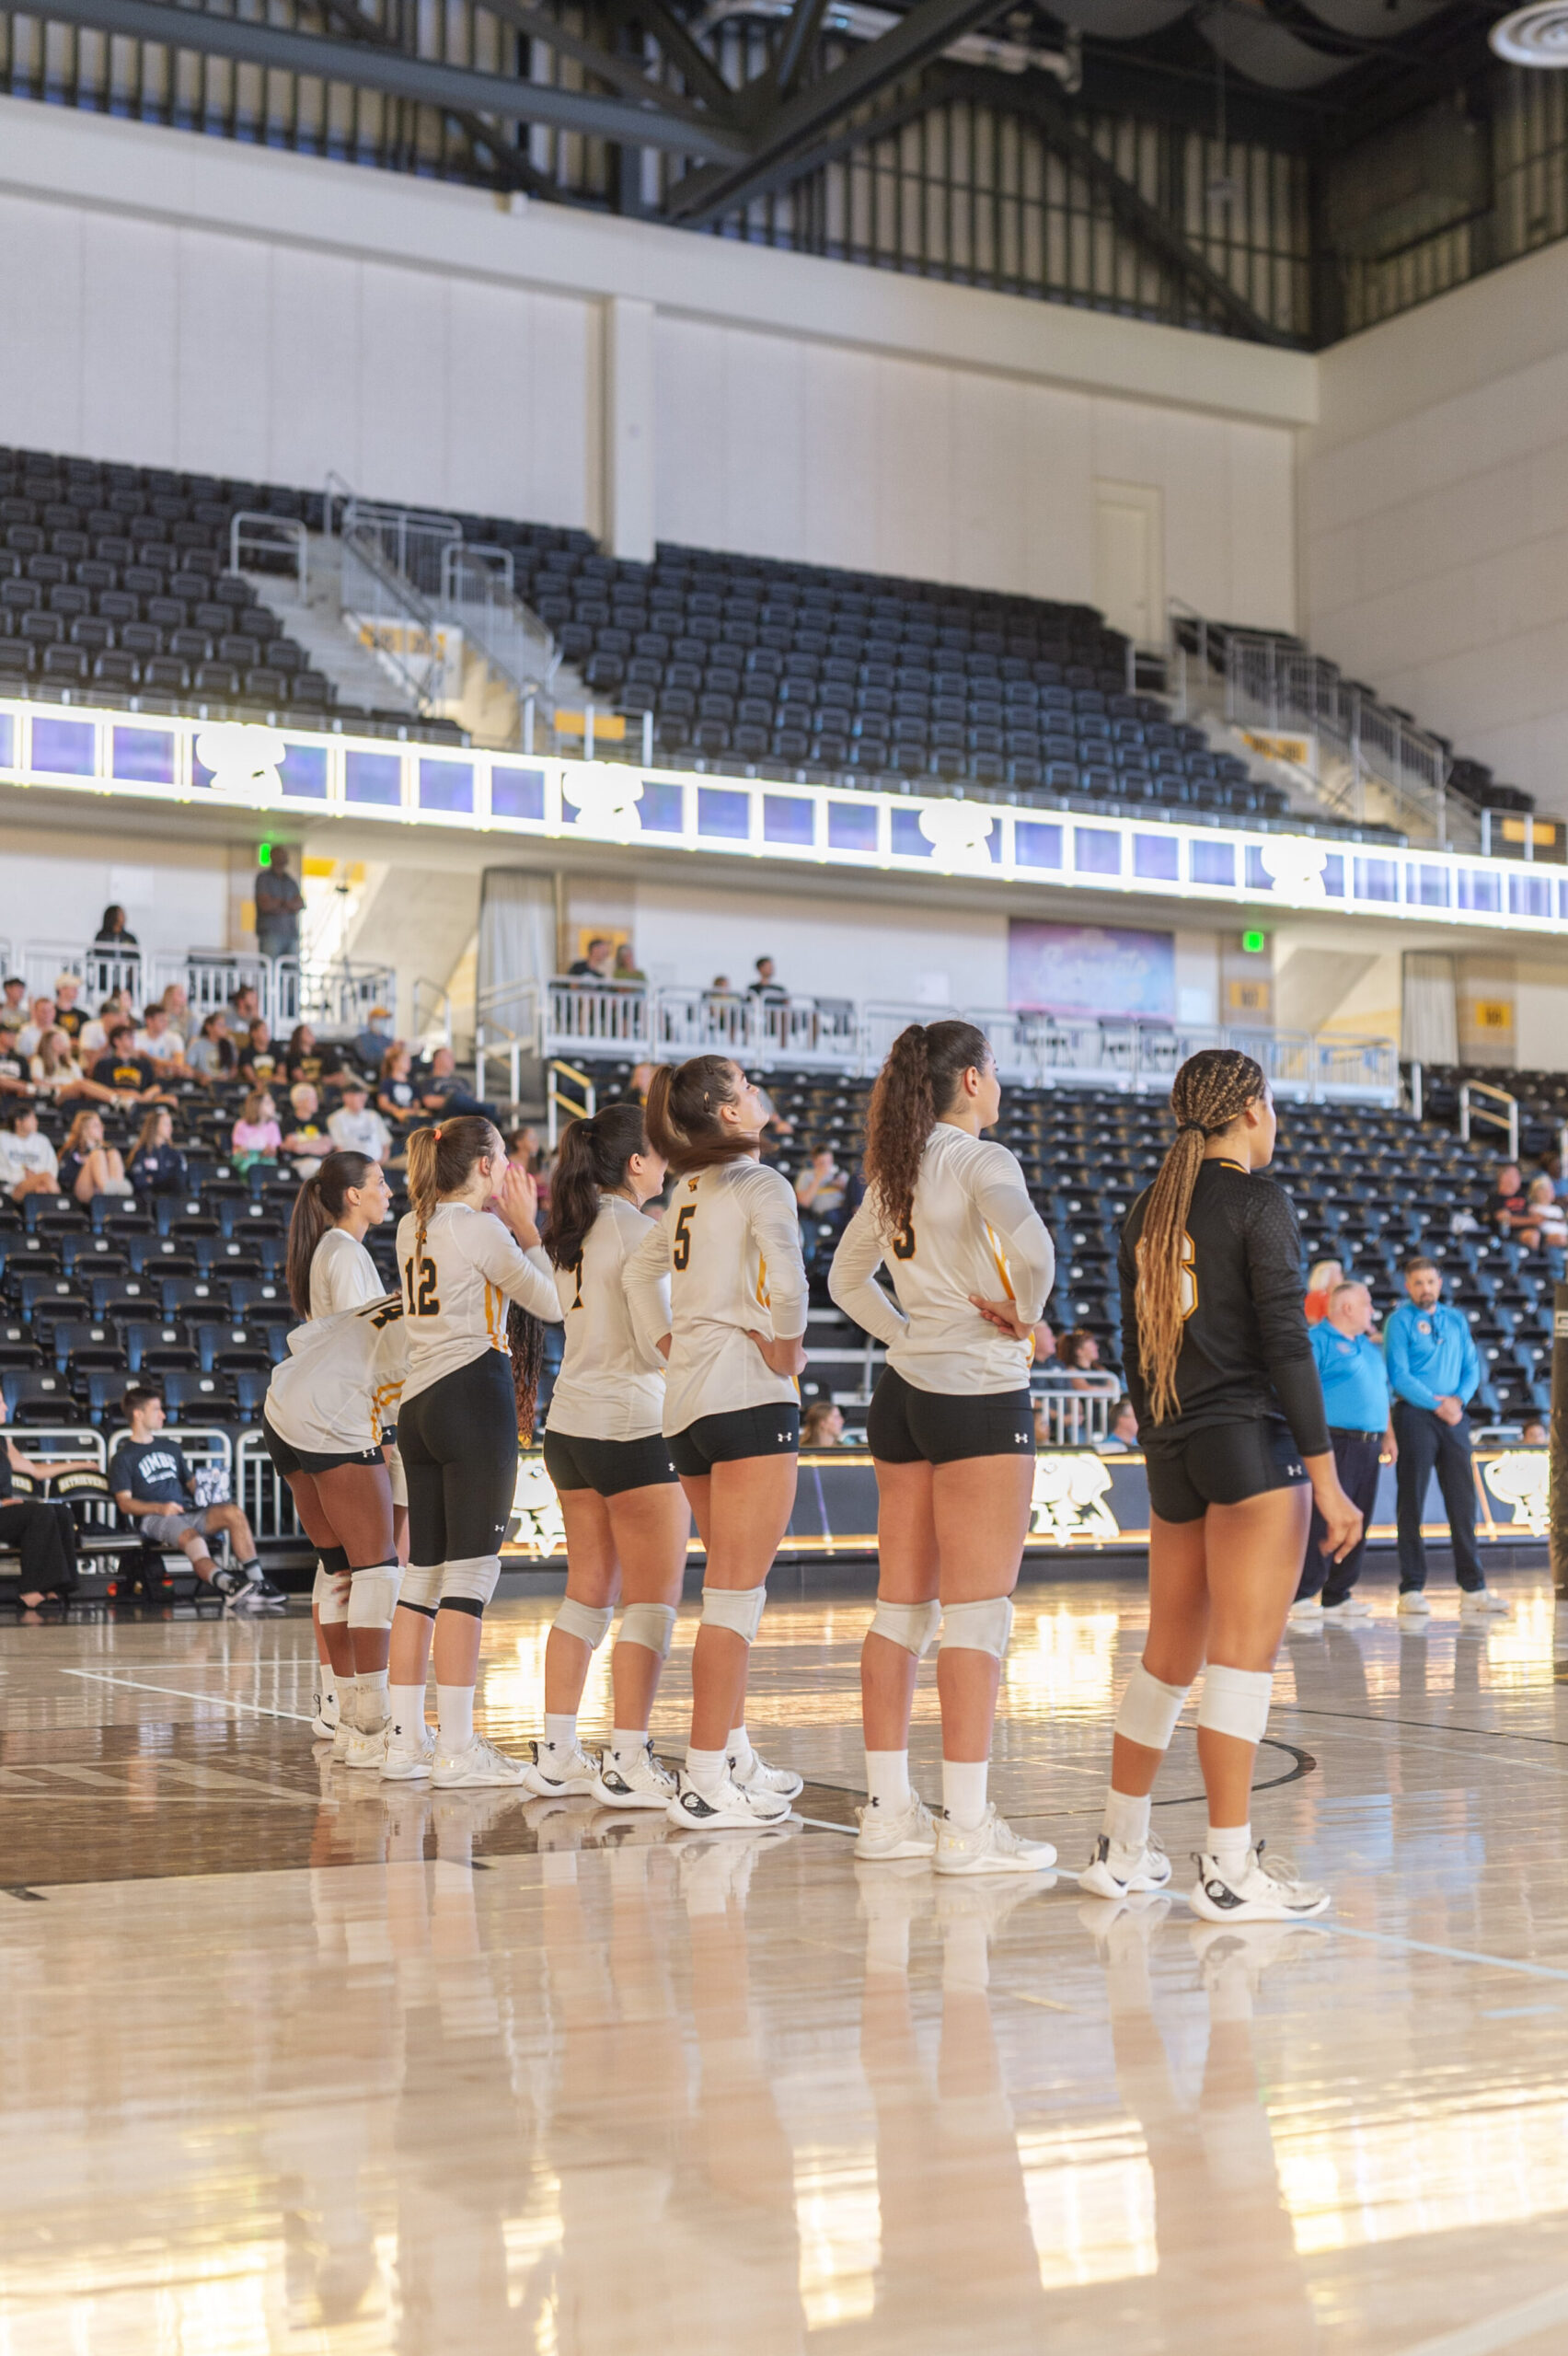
{"points": [[1355, 1607], [1414, 1605], [324, 1723], [1114, 1872], [480, 1763], [726, 1809], [363, 1749], [1478, 1603], [1309, 1614], [1261, 1893], [990, 1847], [639, 1782], [888, 1834], [564, 1776], [782, 1782], [340, 1734], [409, 1755]]}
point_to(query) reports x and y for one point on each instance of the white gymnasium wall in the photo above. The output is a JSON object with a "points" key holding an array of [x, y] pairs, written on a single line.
{"points": [[185, 302], [54, 887], [1434, 517]]}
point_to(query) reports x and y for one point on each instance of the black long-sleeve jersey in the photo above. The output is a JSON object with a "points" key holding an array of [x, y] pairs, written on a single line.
{"points": [[1245, 1350]]}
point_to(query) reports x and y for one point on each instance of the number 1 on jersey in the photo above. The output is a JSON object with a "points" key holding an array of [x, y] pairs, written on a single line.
{"points": [[680, 1248], [421, 1287]]}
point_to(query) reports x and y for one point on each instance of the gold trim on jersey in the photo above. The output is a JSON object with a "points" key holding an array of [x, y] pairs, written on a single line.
{"points": [[1000, 1258], [764, 1299], [495, 1307]]}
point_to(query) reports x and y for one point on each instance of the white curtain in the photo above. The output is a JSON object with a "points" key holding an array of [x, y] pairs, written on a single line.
{"points": [[1429, 1027], [517, 939]]}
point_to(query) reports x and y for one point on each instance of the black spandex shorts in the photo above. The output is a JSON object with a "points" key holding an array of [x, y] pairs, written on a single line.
{"points": [[909, 1427], [288, 1459], [745, 1431], [607, 1466], [459, 1443], [1223, 1466]]}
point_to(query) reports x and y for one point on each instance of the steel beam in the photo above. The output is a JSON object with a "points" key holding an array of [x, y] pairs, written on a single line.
{"points": [[799, 32], [509, 168], [425, 81], [622, 74], [701, 75]]}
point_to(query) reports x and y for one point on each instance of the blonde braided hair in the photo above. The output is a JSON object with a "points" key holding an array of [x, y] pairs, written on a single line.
{"points": [[1213, 1088]]}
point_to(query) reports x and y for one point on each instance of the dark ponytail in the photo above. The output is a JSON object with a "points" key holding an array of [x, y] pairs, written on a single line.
{"points": [[319, 1202], [591, 1160], [914, 1087], [682, 1118]]}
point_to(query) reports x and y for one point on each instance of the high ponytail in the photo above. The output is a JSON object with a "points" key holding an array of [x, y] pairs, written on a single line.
{"points": [[682, 1115], [319, 1203], [441, 1158], [1213, 1088], [914, 1087], [591, 1160]]}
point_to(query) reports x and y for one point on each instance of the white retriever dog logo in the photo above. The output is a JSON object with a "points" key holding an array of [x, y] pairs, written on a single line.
{"points": [[536, 1510], [1069, 1496], [1519, 1479], [606, 800]]}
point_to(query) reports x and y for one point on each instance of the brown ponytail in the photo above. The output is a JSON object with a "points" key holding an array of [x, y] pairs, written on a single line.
{"points": [[319, 1201], [591, 1160], [1213, 1088], [441, 1158], [682, 1116], [914, 1087]]}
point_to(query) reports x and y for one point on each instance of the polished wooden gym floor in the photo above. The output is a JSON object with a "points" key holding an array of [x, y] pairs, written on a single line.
{"points": [[293, 2060]]}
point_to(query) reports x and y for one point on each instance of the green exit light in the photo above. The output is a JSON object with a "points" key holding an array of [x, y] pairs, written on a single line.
{"points": [[1254, 943], [264, 859]]}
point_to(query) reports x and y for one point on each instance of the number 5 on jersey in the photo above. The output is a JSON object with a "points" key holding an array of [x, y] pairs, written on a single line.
{"points": [[680, 1247], [419, 1283]]}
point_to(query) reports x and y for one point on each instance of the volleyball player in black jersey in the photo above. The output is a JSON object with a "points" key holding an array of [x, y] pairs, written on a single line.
{"points": [[1230, 1415]]}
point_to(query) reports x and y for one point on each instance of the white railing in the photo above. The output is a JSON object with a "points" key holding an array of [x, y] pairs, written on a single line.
{"points": [[335, 996], [255, 533], [1494, 1107], [634, 1024], [1077, 1418]]}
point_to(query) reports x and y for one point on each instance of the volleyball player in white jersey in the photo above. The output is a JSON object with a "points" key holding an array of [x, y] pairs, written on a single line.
{"points": [[731, 1322], [951, 1432], [335, 1467], [467, 1250], [627, 1519]]}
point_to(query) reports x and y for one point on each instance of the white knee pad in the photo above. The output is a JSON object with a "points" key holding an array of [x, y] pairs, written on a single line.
{"points": [[330, 1595], [1150, 1710], [582, 1621], [422, 1588], [737, 1608], [913, 1625], [978, 1627], [653, 1624], [373, 1596], [1236, 1701], [469, 1587]]}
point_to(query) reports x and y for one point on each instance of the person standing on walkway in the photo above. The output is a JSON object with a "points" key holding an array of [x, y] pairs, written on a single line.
{"points": [[1356, 1401], [1434, 1372]]}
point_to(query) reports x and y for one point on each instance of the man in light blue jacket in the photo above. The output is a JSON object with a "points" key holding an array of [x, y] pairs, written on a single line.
{"points": [[1433, 1371]]}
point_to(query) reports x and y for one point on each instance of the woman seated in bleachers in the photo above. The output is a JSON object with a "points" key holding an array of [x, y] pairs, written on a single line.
{"points": [[57, 1074], [395, 1097], [28, 1163], [259, 1062], [88, 1166], [211, 1057], [156, 1165], [256, 1135]]}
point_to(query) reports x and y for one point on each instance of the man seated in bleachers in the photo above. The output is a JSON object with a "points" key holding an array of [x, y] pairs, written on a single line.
{"points": [[1505, 1204], [441, 1092], [356, 1127], [823, 1187], [16, 1077], [129, 1072], [1124, 1432], [28, 1162], [69, 1017], [153, 1484], [41, 1018], [12, 1002], [160, 1043]]}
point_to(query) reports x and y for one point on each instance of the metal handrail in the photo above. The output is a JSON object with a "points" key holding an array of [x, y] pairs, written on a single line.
{"points": [[404, 627], [1507, 1119], [265, 534]]}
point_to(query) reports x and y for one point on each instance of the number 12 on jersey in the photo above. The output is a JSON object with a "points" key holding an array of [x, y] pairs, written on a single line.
{"points": [[419, 1285]]}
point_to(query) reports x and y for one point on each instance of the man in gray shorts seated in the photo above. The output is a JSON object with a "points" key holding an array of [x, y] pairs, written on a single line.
{"points": [[152, 1483]]}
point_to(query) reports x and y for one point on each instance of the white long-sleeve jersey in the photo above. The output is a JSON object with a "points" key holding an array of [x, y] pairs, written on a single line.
{"points": [[611, 1384], [972, 1230], [340, 1385], [457, 1286], [343, 1275], [728, 1250]]}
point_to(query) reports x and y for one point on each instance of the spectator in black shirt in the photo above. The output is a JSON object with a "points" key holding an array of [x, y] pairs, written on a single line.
{"points": [[131, 1075], [278, 901], [114, 932], [68, 1015], [16, 1072], [395, 1089], [766, 987], [156, 1165], [152, 1483], [305, 1059], [260, 1063], [40, 1530], [1229, 1410], [596, 966], [13, 1003], [441, 1093]]}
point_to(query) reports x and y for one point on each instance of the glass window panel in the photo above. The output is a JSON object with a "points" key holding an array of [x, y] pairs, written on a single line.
{"points": [[145, 756], [1158, 858], [1258, 877], [1033, 845], [852, 826], [1096, 852], [303, 771], [1212, 862], [1333, 875], [662, 808], [1431, 886], [722, 814], [908, 842], [1481, 889], [786, 819], [1529, 895], [65, 747], [374, 777], [7, 740], [446, 785], [1377, 879], [516, 792]]}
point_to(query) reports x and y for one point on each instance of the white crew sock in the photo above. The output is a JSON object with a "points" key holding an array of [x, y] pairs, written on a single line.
{"points": [[1126, 1819], [406, 1704], [626, 1744], [348, 1700], [560, 1730], [708, 1769], [740, 1751], [371, 1687], [1228, 1844], [454, 1711], [887, 1781], [963, 1792]]}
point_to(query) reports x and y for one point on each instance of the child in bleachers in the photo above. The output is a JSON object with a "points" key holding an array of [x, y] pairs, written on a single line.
{"points": [[256, 1135], [306, 1141], [156, 1165], [395, 1098]]}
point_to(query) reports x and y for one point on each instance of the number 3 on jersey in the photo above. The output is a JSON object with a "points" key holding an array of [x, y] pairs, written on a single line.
{"points": [[418, 1282], [904, 1241], [1189, 1295], [680, 1247]]}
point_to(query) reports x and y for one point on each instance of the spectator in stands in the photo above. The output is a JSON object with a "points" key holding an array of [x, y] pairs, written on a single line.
{"points": [[1044, 1349], [212, 1058], [441, 1091], [156, 1165], [114, 932], [1123, 1434], [1506, 1204], [132, 1076], [626, 968], [822, 1425], [305, 1059], [57, 1075], [356, 1127], [16, 1075], [1433, 1371], [152, 1483], [394, 1098], [641, 1080], [68, 1013], [93, 1037], [765, 986], [40, 1530], [87, 1166], [305, 1142], [41, 1018], [524, 1148], [277, 905], [13, 1004], [245, 1007], [596, 964], [370, 1045], [1078, 1354], [1544, 1227], [823, 1188], [720, 987], [1043, 1436], [1322, 1279], [256, 1135], [27, 1163], [1534, 1434], [259, 1064], [162, 1046], [177, 1006]]}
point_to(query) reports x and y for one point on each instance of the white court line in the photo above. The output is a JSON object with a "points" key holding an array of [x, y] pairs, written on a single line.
{"points": [[183, 1693], [1504, 2330]]}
